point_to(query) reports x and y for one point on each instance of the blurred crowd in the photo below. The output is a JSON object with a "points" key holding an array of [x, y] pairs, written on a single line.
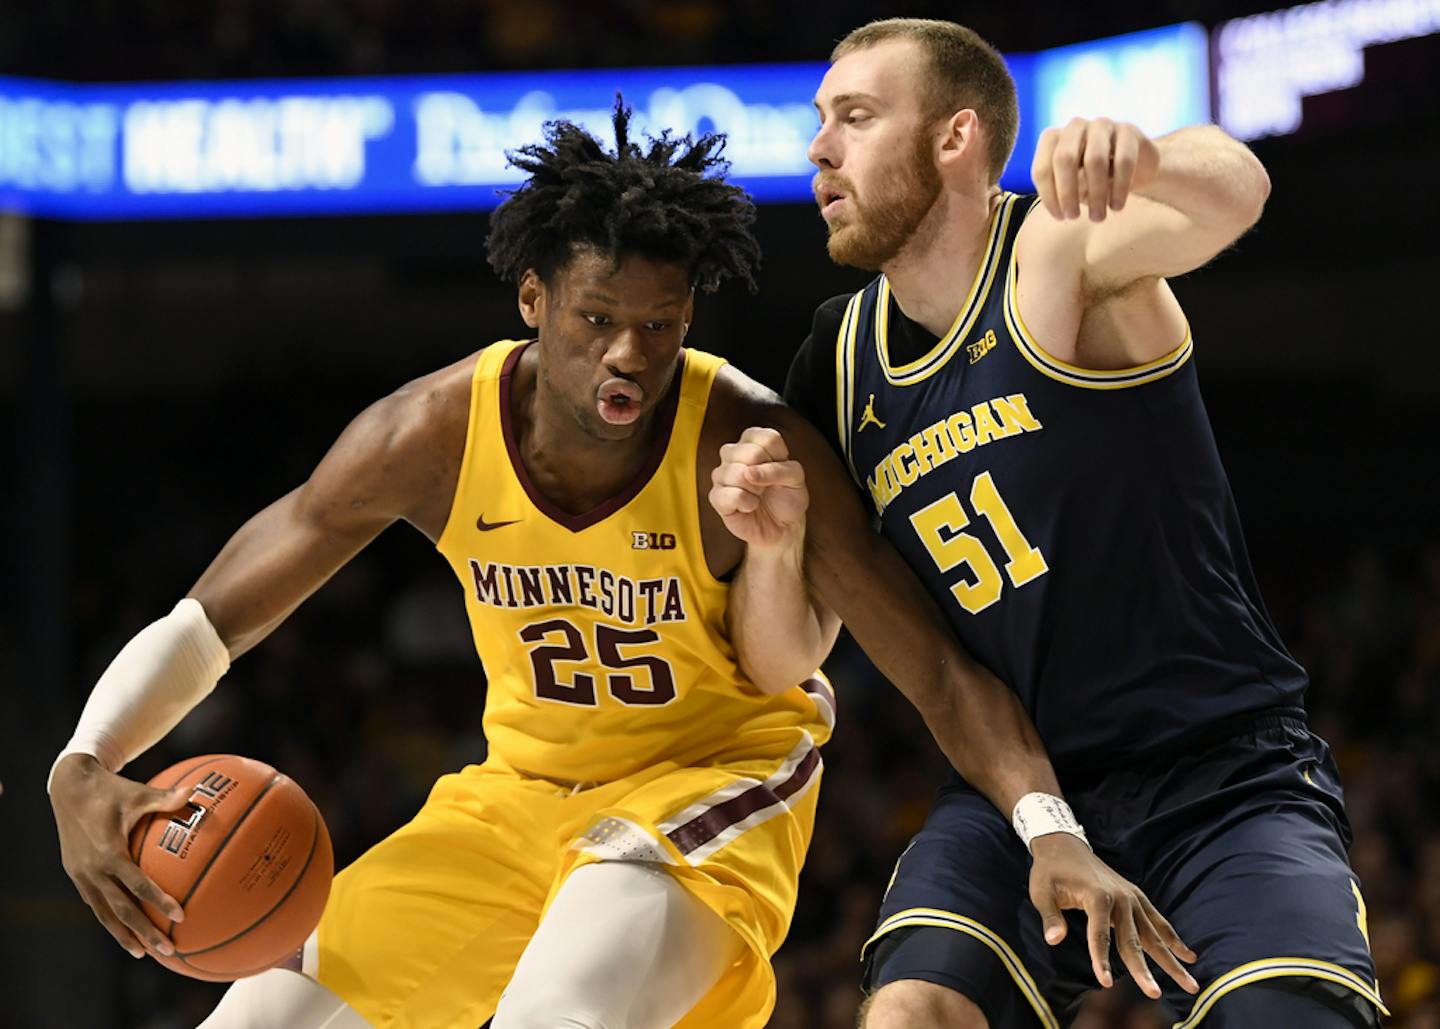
{"points": [[372, 690]]}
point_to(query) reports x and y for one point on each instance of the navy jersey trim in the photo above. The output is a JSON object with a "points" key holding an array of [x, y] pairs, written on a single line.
{"points": [[922, 368], [1072, 375], [845, 379], [1276, 968], [1023, 979]]}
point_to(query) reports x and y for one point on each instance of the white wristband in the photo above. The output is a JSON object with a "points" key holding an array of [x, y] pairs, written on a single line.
{"points": [[156, 679], [1040, 814]]}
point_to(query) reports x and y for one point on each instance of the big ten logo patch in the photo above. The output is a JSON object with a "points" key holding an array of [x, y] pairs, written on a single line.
{"points": [[204, 795], [982, 346], [652, 541]]}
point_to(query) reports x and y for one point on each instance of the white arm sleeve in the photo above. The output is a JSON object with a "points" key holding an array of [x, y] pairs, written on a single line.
{"points": [[155, 681]]}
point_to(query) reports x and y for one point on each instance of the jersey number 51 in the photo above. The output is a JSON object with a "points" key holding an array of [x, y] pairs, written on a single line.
{"points": [[940, 527]]}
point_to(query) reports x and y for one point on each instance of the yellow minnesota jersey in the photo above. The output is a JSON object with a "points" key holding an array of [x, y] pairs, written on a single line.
{"points": [[603, 634], [620, 729]]}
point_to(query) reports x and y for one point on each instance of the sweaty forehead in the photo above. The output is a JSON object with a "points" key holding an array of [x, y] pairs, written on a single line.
{"points": [[890, 72]]}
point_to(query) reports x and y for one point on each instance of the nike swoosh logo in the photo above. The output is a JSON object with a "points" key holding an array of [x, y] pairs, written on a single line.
{"points": [[484, 526]]}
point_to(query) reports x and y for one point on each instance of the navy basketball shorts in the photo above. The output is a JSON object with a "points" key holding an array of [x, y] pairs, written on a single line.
{"points": [[1239, 842]]}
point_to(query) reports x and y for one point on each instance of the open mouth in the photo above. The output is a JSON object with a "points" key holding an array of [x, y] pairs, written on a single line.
{"points": [[619, 400], [829, 197]]}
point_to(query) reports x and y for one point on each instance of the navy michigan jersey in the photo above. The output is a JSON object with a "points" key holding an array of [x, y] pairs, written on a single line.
{"points": [[1076, 526]]}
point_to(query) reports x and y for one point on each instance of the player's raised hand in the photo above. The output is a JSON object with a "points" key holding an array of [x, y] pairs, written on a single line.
{"points": [[758, 491], [1092, 161], [95, 810], [1067, 874]]}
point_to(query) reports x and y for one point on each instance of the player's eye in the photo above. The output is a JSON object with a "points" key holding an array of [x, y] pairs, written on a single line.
{"points": [[658, 326], [597, 320], [857, 117]]}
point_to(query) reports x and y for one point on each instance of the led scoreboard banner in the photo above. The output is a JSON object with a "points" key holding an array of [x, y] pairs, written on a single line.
{"points": [[362, 145], [438, 143]]}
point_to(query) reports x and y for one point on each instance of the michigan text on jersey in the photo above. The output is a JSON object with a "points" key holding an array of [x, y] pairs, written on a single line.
{"points": [[632, 601], [960, 433]]}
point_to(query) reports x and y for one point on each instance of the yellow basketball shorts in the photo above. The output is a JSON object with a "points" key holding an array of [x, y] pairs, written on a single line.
{"points": [[425, 929]]}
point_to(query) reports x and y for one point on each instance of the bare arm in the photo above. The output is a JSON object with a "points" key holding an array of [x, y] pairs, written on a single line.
{"points": [[812, 551], [1152, 208], [367, 481], [781, 634], [394, 461], [856, 573], [398, 460], [976, 719]]}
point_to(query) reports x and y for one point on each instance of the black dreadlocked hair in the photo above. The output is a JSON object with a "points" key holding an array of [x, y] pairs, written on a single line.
{"points": [[631, 200]]}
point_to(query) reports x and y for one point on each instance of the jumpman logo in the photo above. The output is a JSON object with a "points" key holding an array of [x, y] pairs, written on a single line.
{"points": [[867, 417]]}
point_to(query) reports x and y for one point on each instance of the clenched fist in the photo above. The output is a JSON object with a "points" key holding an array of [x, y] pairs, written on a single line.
{"points": [[758, 490]]}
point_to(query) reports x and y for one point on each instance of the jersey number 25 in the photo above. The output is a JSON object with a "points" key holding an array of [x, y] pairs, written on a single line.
{"points": [[620, 679]]}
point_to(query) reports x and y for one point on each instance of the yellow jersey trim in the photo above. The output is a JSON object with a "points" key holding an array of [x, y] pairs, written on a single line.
{"points": [[845, 378], [1073, 375], [488, 363], [977, 930], [1277, 968], [939, 355], [697, 374], [665, 414]]}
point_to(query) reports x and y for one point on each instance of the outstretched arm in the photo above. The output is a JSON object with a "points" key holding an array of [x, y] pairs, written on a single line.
{"points": [[368, 480], [978, 722], [810, 551], [381, 469]]}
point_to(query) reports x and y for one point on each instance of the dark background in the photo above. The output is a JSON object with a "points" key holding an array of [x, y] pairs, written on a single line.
{"points": [[161, 382]]}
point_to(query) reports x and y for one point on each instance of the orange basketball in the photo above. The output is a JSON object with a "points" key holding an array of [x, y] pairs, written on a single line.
{"points": [[249, 861]]}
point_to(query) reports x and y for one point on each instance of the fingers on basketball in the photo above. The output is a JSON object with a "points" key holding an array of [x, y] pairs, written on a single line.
{"points": [[249, 859]]}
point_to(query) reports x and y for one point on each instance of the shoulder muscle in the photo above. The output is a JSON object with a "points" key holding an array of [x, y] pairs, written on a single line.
{"points": [[398, 459]]}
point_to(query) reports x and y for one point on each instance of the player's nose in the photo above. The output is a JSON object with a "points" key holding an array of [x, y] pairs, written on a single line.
{"points": [[822, 152], [626, 353]]}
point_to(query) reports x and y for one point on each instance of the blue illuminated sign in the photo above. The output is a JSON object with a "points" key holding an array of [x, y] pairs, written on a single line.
{"points": [[1159, 79], [1156, 79], [438, 143], [366, 145]]}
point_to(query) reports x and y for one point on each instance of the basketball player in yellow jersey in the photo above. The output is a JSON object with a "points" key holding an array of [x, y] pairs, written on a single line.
{"points": [[627, 854]]}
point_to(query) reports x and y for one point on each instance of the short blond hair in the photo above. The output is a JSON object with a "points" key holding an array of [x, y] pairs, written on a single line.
{"points": [[967, 72]]}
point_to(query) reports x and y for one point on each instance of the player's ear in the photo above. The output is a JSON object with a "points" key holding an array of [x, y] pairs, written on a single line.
{"points": [[689, 316], [532, 297], [960, 136]]}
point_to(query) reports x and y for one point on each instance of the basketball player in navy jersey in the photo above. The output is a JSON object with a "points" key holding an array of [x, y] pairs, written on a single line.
{"points": [[1015, 398]]}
